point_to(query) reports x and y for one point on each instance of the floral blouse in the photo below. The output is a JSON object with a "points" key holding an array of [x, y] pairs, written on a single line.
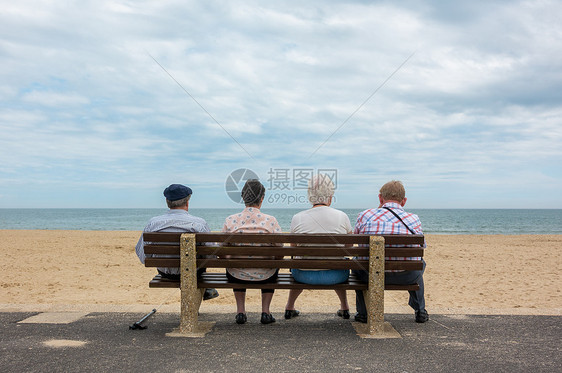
{"points": [[251, 220]]}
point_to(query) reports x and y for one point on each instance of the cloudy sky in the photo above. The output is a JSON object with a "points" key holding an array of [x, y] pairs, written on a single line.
{"points": [[105, 103]]}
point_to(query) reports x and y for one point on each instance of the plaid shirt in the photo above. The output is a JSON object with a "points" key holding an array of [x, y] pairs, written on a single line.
{"points": [[382, 221]]}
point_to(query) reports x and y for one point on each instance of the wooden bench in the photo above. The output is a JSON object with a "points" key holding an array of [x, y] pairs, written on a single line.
{"points": [[185, 247]]}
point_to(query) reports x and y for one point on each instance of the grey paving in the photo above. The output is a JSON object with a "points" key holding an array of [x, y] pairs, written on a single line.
{"points": [[309, 343]]}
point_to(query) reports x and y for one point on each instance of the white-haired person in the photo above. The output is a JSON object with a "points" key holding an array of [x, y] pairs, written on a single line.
{"points": [[252, 220], [321, 218]]}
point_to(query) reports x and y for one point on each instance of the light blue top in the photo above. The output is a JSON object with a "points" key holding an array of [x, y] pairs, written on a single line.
{"points": [[175, 220]]}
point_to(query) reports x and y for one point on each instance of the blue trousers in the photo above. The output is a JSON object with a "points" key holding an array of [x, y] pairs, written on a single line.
{"points": [[417, 300], [323, 277]]}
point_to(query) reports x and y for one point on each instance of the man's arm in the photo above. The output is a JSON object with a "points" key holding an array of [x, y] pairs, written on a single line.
{"points": [[205, 228], [140, 249], [357, 228]]}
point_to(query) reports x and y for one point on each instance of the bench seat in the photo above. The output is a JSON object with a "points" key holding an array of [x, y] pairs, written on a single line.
{"points": [[284, 281]]}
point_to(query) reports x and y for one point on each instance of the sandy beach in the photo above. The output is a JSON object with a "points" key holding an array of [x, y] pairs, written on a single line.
{"points": [[98, 270]]}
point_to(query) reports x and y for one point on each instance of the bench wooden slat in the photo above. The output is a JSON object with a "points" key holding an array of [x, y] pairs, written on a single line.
{"points": [[285, 263], [216, 276], [262, 250], [172, 237], [404, 251], [162, 249], [407, 265], [162, 262], [284, 281], [262, 263], [285, 251], [300, 251], [285, 238]]}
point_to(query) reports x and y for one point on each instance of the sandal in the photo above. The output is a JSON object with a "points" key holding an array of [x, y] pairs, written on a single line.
{"points": [[267, 318], [343, 313], [241, 318], [291, 313], [210, 294]]}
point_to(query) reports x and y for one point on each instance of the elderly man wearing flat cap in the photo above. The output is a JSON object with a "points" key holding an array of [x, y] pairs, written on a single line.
{"points": [[177, 219]]}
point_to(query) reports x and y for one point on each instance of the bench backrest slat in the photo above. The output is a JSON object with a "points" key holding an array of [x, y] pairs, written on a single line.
{"points": [[286, 263], [285, 250], [410, 239], [307, 264]]}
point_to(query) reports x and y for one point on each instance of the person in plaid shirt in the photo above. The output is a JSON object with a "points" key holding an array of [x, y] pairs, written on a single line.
{"points": [[390, 218]]}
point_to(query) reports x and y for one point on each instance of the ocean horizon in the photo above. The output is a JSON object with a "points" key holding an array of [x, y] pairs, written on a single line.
{"points": [[434, 221]]}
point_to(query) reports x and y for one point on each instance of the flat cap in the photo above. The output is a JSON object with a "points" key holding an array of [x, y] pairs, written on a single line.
{"points": [[176, 191]]}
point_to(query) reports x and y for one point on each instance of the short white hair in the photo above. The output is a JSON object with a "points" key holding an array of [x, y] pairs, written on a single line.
{"points": [[320, 189], [178, 203]]}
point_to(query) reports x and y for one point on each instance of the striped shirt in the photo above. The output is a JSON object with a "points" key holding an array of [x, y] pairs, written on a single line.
{"points": [[175, 220], [382, 221]]}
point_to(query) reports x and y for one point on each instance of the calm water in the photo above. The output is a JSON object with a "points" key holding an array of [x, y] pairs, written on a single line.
{"points": [[436, 221]]}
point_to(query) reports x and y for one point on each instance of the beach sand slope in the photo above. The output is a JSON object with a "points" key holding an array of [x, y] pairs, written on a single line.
{"points": [[486, 274]]}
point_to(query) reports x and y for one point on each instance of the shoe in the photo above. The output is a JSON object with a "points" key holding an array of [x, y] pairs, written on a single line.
{"points": [[422, 316], [210, 294], [343, 313], [361, 318], [267, 318], [291, 313], [241, 318]]}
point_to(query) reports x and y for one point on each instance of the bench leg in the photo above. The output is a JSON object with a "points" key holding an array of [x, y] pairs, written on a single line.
{"points": [[374, 296], [190, 304], [191, 297]]}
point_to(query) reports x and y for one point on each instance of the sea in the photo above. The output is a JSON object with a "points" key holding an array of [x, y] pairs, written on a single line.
{"points": [[434, 221]]}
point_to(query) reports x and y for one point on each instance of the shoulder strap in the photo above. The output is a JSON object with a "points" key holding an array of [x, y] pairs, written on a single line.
{"points": [[399, 218]]}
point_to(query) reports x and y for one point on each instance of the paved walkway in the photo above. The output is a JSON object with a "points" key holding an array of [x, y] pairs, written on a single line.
{"points": [[310, 343]]}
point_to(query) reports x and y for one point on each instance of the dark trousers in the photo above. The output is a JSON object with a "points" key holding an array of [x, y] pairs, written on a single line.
{"points": [[200, 271], [417, 300]]}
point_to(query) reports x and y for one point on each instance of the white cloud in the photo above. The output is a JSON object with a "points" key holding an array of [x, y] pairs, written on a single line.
{"points": [[55, 99], [81, 94]]}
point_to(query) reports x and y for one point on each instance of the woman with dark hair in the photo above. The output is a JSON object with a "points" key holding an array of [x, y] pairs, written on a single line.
{"points": [[252, 220]]}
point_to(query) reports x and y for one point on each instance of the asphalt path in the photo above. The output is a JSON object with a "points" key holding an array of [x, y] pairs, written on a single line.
{"points": [[102, 342]]}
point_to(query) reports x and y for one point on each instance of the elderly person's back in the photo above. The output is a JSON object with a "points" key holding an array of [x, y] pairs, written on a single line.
{"points": [[391, 218], [177, 219], [252, 220], [321, 218]]}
